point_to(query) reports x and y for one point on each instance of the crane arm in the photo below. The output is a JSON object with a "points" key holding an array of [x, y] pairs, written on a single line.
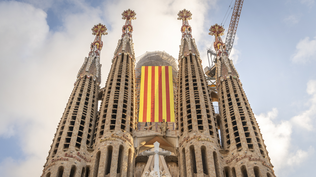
{"points": [[231, 33]]}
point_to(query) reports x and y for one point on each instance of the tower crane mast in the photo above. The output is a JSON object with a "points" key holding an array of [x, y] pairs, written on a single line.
{"points": [[231, 33]]}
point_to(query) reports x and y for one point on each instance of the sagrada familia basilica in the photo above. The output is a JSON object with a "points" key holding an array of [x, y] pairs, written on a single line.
{"points": [[158, 117]]}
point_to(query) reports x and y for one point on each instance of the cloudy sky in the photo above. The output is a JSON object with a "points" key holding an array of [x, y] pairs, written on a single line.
{"points": [[43, 44]]}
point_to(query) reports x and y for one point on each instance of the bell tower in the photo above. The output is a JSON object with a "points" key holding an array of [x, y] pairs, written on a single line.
{"points": [[199, 139], [116, 121], [242, 142], [72, 142]]}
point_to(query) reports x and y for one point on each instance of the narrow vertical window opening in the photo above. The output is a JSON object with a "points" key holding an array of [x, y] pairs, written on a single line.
{"points": [[234, 172], [83, 171], [183, 163], [96, 165], [60, 171], [244, 171], [204, 161], [72, 171], [129, 162], [257, 171], [88, 171], [109, 160], [227, 172], [48, 174], [119, 160], [215, 164], [193, 162]]}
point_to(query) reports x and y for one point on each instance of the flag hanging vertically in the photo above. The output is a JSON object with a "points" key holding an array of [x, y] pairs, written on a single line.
{"points": [[156, 94]]}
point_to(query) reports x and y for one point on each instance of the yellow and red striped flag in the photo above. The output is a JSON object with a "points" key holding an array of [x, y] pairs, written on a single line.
{"points": [[156, 94]]}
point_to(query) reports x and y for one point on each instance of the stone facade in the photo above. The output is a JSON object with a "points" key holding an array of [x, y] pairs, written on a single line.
{"points": [[202, 142]]}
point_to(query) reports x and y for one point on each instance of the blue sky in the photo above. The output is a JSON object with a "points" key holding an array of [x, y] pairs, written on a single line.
{"points": [[43, 44]]}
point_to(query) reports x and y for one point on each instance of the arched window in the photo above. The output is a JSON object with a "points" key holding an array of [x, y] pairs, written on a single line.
{"points": [[268, 175], [226, 172], [216, 164], [219, 130], [204, 161], [193, 162], [183, 163], [244, 171], [129, 162], [72, 171], [87, 171], [256, 171], [48, 174], [120, 159], [96, 165], [109, 160], [83, 171], [60, 171], [234, 172]]}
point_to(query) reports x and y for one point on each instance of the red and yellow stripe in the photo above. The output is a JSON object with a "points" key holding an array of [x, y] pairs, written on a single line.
{"points": [[156, 94]]}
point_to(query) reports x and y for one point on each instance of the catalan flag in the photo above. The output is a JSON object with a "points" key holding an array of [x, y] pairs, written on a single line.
{"points": [[156, 94]]}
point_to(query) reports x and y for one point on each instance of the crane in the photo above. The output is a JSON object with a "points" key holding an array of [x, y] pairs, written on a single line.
{"points": [[229, 41], [231, 33]]}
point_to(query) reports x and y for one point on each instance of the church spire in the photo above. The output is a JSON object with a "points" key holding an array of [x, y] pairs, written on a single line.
{"points": [[217, 31], [128, 16], [125, 44], [91, 66], [187, 42], [221, 53], [185, 15]]}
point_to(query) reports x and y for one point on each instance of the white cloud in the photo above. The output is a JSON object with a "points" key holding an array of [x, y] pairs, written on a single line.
{"points": [[305, 119], [234, 54], [277, 137], [21, 35], [299, 156], [292, 19], [308, 2], [305, 51], [39, 69]]}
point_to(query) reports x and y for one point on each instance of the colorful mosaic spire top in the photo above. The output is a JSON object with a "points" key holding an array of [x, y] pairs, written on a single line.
{"points": [[185, 15], [99, 30], [216, 30], [128, 15], [96, 46]]}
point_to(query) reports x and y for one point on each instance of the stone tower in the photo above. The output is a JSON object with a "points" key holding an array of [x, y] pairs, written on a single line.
{"points": [[201, 142], [199, 139], [243, 149], [117, 111], [73, 139]]}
